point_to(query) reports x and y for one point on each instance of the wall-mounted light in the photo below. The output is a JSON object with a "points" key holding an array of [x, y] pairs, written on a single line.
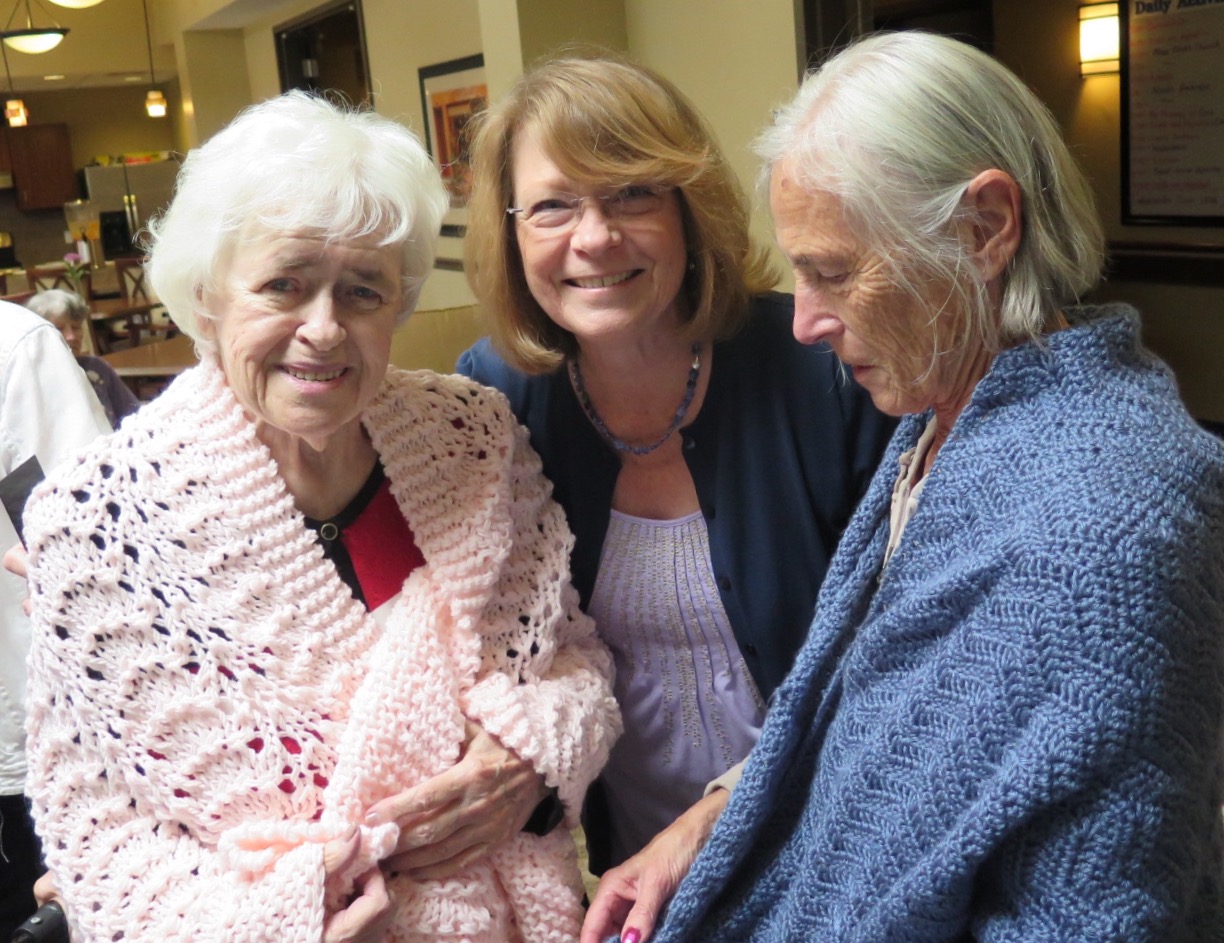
{"points": [[76, 4], [1099, 43]]}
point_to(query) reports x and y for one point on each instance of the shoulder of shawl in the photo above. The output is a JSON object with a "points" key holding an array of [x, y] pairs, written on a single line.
{"points": [[450, 446], [190, 456]]}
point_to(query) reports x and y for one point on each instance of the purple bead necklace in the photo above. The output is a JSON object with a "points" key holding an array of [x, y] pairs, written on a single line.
{"points": [[584, 398]]}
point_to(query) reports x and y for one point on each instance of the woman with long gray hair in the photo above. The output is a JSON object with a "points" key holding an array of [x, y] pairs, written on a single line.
{"points": [[1006, 722]]}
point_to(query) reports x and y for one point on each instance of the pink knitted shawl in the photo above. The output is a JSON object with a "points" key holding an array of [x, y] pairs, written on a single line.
{"points": [[209, 705]]}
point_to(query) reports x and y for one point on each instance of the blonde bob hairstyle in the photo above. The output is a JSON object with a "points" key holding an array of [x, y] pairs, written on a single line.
{"points": [[607, 123], [895, 127], [295, 163]]}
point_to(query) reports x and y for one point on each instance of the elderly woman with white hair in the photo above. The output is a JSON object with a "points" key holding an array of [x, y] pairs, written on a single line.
{"points": [[307, 664], [1005, 724]]}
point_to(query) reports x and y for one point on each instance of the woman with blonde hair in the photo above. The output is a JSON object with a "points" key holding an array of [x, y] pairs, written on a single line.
{"points": [[706, 461]]}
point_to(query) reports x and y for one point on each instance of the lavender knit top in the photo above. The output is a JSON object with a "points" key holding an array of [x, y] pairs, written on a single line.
{"points": [[690, 706]]}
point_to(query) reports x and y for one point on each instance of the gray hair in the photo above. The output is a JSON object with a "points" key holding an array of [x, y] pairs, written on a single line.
{"points": [[293, 163], [897, 125], [55, 304]]}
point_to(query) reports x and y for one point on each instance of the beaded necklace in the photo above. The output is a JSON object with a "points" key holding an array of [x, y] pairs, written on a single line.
{"points": [[584, 398]]}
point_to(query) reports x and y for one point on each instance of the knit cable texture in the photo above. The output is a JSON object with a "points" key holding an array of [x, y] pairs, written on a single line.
{"points": [[209, 705]]}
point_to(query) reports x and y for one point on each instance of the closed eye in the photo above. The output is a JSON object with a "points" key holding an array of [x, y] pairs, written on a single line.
{"points": [[807, 270]]}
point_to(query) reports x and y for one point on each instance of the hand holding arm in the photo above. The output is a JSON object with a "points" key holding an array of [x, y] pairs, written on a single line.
{"points": [[632, 895], [457, 816]]}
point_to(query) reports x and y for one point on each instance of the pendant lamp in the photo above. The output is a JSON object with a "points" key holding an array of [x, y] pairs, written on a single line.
{"points": [[30, 38], [155, 101]]}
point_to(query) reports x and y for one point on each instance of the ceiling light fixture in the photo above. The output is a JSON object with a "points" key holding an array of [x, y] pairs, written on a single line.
{"points": [[30, 38], [155, 101], [15, 112], [76, 4]]}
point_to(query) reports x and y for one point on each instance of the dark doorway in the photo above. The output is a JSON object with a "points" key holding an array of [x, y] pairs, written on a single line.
{"points": [[324, 51], [970, 21], [830, 24]]}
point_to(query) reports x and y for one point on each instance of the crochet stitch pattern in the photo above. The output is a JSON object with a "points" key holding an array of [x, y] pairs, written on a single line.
{"points": [[1013, 736], [209, 705]]}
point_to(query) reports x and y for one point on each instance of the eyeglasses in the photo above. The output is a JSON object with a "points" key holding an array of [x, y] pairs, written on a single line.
{"points": [[558, 212]]}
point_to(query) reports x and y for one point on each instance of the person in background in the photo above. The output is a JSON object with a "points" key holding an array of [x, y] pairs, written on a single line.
{"points": [[706, 461], [70, 315], [307, 664], [47, 411], [1006, 722]]}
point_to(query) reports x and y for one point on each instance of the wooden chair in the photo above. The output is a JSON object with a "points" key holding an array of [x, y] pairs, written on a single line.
{"points": [[43, 277], [135, 289], [19, 298]]}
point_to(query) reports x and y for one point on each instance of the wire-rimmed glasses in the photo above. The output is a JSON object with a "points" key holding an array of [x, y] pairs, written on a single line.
{"points": [[561, 211]]}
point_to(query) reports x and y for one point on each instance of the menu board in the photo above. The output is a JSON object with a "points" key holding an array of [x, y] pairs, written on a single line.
{"points": [[1173, 112]]}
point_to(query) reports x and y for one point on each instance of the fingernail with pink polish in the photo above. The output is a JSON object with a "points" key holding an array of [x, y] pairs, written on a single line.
{"points": [[630, 936]]}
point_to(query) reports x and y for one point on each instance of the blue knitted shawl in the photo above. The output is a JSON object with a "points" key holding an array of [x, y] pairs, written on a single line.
{"points": [[1015, 733]]}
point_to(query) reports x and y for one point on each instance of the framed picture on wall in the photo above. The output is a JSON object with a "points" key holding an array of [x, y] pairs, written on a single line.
{"points": [[452, 93], [1172, 67]]}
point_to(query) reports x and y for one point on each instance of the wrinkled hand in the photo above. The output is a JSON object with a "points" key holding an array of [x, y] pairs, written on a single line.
{"points": [[632, 895], [454, 818], [15, 563], [367, 918]]}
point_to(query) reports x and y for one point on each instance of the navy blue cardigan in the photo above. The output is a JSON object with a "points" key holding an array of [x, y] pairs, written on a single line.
{"points": [[780, 454]]}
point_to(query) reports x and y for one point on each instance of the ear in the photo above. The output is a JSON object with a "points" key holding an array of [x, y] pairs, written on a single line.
{"points": [[999, 223], [205, 323]]}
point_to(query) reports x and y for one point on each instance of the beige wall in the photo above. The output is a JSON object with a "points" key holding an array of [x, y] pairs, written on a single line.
{"points": [[736, 61], [1184, 324], [691, 41], [107, 120]]}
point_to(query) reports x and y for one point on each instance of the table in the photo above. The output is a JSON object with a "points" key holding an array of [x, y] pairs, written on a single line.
{"points": [[108, 309], [153, 364], [104, 312]]}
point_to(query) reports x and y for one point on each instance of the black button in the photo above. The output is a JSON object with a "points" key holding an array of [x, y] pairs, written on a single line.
{"points": [[750, 649], [710, 513], [690, 444], [724, 583]]}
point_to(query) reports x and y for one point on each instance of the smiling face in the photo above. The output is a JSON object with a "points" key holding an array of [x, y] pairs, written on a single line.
{"points": [[600, 279], [303, 329], [845, 296]]}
